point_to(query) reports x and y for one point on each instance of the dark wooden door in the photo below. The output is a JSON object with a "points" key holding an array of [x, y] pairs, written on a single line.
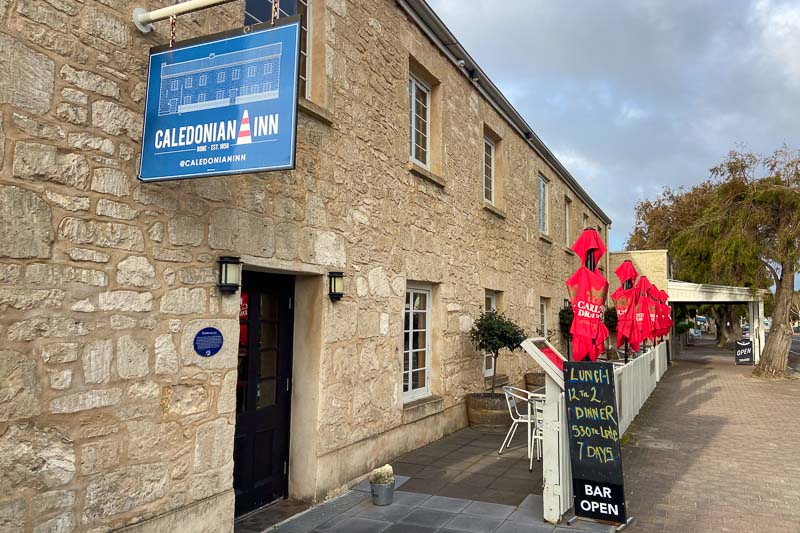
{"points": [[261, 443]]}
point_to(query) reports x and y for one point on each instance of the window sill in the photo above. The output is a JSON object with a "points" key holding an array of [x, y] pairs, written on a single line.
{"points": [[426, 174], [545, 238], [500, 380], [307, 107], [569, 251], [499, 213], [422, 408]]}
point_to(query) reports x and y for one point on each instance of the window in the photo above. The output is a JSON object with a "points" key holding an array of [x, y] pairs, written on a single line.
{"points": [[173, 85], [187, 100], [251, 71], [260, 11], [544, 309], [220, 94], [416, 343], [188, 83], [419, 100], [567, 209], [585, 221], [221, 77], [490, 304], [235, 74], [201, 97], [203, 80], [543, 206], [488, 170], [268, 68]]}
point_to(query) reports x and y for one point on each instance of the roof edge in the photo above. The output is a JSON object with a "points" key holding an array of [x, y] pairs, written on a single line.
{"points": [[430, 23]]}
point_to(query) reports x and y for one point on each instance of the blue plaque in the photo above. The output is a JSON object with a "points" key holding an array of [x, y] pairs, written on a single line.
{"points": [[208, 342], [226, 104]]}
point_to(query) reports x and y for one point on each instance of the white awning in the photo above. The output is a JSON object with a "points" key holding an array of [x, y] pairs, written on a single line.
{"points": [[685, 292]]}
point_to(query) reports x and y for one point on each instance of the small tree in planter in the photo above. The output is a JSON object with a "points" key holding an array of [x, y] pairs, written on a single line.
{"points": [[492, 332]]}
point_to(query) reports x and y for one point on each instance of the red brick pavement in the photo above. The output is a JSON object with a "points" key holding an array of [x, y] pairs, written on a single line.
{"points": [[715, 450]]}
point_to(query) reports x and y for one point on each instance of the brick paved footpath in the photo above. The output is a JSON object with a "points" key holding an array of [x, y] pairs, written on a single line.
{"points": [[715, 450]]}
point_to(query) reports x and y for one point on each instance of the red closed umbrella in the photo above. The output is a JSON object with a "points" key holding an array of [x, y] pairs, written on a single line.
{"points": [[642, 325], [654, 307], [667, 312], [588, 289], [623, 301]]}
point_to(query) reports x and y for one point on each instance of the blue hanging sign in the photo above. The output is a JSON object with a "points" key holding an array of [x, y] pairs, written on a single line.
{"points": [[224, 104], [208, 342]]}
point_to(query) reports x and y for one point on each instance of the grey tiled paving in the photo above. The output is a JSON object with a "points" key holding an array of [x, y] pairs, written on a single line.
{"points": [[444, 503], [423, 513], [458, 484], [474, 524]]}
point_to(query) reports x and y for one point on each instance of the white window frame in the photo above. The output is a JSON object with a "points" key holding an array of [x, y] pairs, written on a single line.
{"points": [[543, 194], [413, 84], [203, 80], [488, 360], [567, 209], [235, 73], [251, 71], [493, 155], [188, 82], [425, 390], [544, 310], [221, 76], [173, 85]]}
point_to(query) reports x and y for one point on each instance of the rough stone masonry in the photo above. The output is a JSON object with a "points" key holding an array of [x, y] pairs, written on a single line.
{"points": [[107, 417]]}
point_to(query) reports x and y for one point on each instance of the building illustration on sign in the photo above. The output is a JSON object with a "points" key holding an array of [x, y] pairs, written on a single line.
{"points": [[220, 80]]}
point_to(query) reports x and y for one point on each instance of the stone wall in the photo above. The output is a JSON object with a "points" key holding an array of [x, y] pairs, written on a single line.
{"points": [[651, 263], [107, 417]]}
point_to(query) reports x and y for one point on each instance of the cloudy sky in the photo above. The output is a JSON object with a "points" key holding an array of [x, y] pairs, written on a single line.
{"points": [[637, 94]]}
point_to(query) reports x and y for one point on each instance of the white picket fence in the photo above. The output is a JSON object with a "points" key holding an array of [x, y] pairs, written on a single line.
{"points": [[635, 382]]}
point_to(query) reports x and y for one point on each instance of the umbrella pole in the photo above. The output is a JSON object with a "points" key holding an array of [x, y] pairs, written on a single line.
{"points": [[628, 285]]}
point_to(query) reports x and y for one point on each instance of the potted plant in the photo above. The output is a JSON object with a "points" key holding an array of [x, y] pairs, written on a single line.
{"points": [[565, 318], [491, 333], [381, 484]]}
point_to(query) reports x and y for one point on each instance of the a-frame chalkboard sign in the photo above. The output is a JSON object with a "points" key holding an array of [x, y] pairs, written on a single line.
{"points": [[594, 442]]}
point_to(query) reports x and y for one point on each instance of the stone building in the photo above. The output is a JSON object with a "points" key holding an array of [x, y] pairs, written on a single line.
{"points": [[108, 417]]}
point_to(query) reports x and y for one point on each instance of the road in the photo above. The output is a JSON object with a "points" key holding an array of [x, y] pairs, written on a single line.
{"points": [[794, 353]]}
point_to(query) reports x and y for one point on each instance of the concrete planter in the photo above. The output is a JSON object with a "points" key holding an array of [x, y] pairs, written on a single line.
{"points": [[488, 412]]}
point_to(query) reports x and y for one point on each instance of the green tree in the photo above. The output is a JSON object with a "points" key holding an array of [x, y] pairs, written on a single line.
{"points": [[661, 221], [746, 231], [492, 332]]}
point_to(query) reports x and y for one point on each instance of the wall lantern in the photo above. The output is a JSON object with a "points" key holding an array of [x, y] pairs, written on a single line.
{"points": [[335, 286], [230, 274]]}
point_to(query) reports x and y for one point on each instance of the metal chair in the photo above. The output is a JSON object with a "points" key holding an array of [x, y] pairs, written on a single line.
{"points": [[531, 415]]}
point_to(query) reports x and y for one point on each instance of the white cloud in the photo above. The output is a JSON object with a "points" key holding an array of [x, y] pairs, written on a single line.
{"points": [[633, 95]]}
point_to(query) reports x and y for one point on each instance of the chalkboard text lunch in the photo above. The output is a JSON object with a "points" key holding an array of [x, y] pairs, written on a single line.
{"points": [[593, 427]]}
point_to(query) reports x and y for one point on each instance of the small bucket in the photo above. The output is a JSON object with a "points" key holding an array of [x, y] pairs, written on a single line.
{"points": [[382, 494]]}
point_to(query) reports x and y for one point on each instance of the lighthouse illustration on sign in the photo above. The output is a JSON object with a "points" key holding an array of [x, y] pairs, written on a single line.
{"points": [[244, 131]]}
